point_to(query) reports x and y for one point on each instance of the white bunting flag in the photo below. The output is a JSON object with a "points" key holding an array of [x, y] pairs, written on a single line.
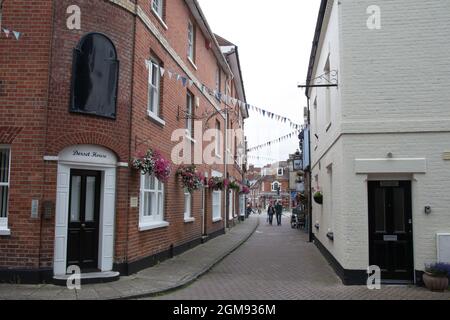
{"points": [[170, 74], [7, 32], [17, 34], [162, 71]]}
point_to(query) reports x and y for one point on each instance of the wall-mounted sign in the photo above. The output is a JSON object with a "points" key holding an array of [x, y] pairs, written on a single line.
{"points": [[298, 164], [446, 155], [90, 154]]}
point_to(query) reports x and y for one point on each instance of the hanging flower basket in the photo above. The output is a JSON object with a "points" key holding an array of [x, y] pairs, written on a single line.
{"points": [[234, 186], [153, 163], [318, 197], [216, 183], [191, 179], [244, 189]]}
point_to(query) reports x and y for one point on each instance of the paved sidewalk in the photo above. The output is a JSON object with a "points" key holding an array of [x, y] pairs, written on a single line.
{"points": [[169, 275]]}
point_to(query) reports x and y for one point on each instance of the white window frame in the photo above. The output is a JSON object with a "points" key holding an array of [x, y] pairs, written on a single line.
{"points": [[218, 147], [4, 230], [158, 7], [188, 207], [216, 206], [242, 205], [189, 114], [156, 220], [154, 110], [191, 42], [273, 186], [218, 82]]}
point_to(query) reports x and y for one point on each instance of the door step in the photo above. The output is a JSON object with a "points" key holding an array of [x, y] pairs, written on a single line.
{"points": [[89, 278]]}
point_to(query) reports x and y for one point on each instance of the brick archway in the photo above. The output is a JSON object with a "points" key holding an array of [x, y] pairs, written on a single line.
{"points": [[92, 138]]}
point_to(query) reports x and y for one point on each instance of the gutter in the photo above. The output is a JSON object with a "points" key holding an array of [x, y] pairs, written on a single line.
{"points": [[194, 6], [315, 44]]}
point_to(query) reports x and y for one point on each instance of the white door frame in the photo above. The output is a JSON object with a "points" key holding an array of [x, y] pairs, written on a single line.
{"points": [[108, 168]]}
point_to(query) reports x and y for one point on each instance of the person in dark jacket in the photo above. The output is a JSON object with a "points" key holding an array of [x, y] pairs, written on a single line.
{"points": [[270, 213], [279, 212]]}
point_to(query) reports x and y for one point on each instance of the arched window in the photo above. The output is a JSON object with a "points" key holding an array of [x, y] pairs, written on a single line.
{"points": [[95, 76]]}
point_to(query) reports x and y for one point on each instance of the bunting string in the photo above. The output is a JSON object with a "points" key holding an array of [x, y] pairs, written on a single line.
{"points": [[275, 141], [8, 33], [258, 157], [229, 101]]}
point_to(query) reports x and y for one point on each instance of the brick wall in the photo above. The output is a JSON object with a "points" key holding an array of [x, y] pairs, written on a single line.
{"points": [[41, 125], [24, 78]]}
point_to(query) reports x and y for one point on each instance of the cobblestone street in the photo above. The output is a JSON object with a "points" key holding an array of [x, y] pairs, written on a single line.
{"points": [[277, 263]]}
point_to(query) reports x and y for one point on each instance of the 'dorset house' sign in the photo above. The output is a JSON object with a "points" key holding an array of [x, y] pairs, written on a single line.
{"points": [[88, 154]]}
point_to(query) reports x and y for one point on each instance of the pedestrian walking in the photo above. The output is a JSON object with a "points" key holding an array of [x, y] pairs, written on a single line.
{"points": [[270, 213], [249, 210], [279, 212]]}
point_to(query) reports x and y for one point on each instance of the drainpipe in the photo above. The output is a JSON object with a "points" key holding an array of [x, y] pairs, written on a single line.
{"points": [[225, 158], [311, 236]]}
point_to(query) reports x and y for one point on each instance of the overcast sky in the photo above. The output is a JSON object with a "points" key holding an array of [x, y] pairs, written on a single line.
{"points": [[274, 40]]}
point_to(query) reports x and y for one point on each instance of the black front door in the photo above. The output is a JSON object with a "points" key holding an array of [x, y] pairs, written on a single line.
{"points": [[390, 229], [84, 207]]}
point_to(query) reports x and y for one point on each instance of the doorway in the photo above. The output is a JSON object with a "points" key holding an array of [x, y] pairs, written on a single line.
{"points": [[390, 230], [83, 219]]}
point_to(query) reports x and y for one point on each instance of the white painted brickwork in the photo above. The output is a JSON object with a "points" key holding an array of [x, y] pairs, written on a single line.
{"points": [[393, 97]]}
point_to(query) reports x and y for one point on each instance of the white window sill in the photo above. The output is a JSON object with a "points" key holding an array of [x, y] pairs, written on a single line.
{"points": [[5, 232], [189, 220], [217, 219], [192, 63], [190, 138], [160, 19], [153, 225], [156, 118]]}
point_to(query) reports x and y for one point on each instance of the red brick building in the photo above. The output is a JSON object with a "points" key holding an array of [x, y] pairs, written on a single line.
{"points": [[272, 185], [77, 105]]}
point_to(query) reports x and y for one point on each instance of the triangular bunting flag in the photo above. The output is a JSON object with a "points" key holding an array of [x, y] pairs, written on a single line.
{"points": [[147, 64], [184, 81], [7, 32], [17, 34], [162, 71], [170, 74]]}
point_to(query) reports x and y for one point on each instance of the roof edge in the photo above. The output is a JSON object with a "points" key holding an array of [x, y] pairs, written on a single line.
{"points": [[315, 44]]}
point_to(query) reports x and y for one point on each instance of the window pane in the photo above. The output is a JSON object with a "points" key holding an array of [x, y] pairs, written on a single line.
{"points": [[147, 204], [4, 165], [380, 210], [3, 201], [160, 205], [399, 209], [187, 205], [90, 199], [75, 193], [154, 204]]}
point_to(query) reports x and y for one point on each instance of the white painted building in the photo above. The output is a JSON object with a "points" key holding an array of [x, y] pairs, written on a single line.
{"points": [[380, 139]]}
